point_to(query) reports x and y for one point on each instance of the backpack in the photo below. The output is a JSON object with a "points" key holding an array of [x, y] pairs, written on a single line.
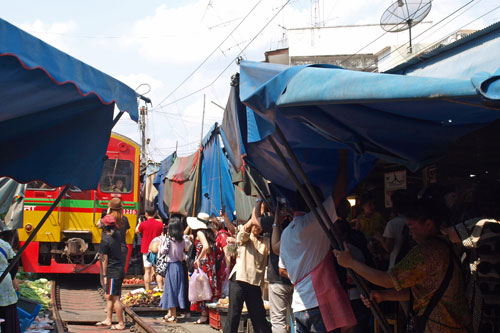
{"points": [[191, 257]]}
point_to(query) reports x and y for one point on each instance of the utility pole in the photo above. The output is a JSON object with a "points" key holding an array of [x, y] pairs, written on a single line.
{"points": [[142, 124]]}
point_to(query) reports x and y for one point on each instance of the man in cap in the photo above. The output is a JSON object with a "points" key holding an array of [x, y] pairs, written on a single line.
{"points": [[113, 271], [149, 229]]}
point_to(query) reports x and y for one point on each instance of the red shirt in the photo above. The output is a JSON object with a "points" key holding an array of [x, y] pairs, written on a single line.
{"points": [[149, 229]]}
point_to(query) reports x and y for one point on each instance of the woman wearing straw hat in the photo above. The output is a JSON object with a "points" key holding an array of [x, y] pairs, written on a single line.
{"points": [[205, 258]]}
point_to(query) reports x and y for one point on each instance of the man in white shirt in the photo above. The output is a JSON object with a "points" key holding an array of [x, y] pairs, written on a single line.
{"points": [[304, 248]]}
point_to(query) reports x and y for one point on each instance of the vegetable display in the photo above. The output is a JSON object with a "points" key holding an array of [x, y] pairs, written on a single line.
{"points": [[37, 290], [148, 298]]}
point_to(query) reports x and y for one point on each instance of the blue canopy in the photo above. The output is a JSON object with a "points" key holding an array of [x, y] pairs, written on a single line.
{"points": [[57, 112], [217, 188], [407, 120]]}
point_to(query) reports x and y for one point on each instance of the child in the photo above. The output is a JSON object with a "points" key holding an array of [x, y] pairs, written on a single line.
{"points": [[113, 271]]}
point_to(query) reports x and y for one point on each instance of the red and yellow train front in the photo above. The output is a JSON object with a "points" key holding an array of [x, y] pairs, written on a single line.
{"points": [[69, 240]]}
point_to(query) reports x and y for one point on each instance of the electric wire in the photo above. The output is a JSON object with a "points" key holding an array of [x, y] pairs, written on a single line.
{"points": [[434, 44], [210, 55], [420, 34], [227, 67]]}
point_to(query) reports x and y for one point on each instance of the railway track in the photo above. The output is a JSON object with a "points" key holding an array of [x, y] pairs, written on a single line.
{"points": [[78, 304]]}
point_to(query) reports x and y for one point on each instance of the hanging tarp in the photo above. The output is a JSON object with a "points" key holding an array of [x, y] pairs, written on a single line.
{"points": [[317, 155], [407, 120], [159, 183], [181, 183], [56, 114], [11, 203], [149, 190], [234, 128], [217, 187]]}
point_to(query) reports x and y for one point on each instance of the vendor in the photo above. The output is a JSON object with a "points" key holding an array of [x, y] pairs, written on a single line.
{"points": [[420, 275], [9, 285]]}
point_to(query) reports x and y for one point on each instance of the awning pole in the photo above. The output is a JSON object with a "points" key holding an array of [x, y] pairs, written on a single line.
{"points": [[261, 194], [33, 234], [118, 116], [334, 240]]}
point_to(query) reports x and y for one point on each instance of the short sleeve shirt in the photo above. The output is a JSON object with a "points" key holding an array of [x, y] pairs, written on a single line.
{"points": [[423, 270], [303, 246], [8, 295], [394, 230], [150, 229], [111, 246]]}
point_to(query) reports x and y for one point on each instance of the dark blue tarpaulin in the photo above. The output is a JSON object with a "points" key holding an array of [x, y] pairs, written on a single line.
{"points": [[217, 188], [56, 114], [159, 183], [408, 120]]}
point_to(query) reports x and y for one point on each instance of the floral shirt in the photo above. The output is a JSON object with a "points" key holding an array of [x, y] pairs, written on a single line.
{"points": [[7, 293], [423, 270]]}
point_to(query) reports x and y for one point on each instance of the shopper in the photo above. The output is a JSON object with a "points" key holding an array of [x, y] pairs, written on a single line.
{"points": [[173, 291], [247, 276], [305, 256], [204, 242], [429, 277], [113, 271], [9, 286], [280, 288], [149, 229], [115, 208]]}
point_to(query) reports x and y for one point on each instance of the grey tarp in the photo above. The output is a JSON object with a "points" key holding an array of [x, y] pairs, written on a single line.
{"points": [[11, 203]]}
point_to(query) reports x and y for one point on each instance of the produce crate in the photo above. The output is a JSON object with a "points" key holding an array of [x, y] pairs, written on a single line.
{"points": [[27, 310], [217, 318]]}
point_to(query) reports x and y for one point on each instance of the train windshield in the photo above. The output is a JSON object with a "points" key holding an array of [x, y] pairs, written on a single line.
{"points": [[39, 185], [117, 176]]}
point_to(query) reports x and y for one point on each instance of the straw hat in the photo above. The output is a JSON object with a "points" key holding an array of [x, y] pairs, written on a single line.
{"points": [[115, 204], [199, 222]]}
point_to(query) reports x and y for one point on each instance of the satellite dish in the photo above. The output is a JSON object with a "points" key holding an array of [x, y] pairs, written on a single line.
{"points": [[404, 14]]}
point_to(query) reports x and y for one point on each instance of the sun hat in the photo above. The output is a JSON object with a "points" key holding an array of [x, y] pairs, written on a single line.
{"points": [[109, 220], [199, 222], [115, 203]]}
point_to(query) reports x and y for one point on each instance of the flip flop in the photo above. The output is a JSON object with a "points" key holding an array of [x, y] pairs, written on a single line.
{"points": [[115, 328], [102, 324], [199, 322]]}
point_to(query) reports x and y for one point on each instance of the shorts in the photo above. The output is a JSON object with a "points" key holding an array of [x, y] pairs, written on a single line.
{"points": [[145, 261], [114, 287]]}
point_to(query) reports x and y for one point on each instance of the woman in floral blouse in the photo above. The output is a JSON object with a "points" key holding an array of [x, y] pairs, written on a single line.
{"points": [[421, 273]]}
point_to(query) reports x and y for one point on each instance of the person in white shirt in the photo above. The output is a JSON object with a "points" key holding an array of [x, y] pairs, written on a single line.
{"points": [[304, 249]]}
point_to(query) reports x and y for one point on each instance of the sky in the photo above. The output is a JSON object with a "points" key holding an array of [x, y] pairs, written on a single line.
{"points": [[175, 52]]}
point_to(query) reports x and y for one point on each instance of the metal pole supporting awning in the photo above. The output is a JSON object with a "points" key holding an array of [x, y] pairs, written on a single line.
{"points": [[310, 195]]}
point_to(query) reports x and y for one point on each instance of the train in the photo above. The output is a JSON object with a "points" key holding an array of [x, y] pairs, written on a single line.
{"points": [[69, 240]]}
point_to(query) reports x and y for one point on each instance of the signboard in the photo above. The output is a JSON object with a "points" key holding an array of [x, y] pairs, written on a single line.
{"points": [[393, 181]]}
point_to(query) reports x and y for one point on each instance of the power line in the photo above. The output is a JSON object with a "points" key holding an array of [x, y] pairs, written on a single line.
{"points": [[211, 53], [229, 65], [432, 26]]}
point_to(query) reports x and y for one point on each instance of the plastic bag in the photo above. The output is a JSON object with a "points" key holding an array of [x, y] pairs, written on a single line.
{"points": [[199, 287]]}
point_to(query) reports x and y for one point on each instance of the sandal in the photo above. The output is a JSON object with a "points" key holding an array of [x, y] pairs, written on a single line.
{"points": [[102, 324], [170, 320], [115, 328], [200, 321]]}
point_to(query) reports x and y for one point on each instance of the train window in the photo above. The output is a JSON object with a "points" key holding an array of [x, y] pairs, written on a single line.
{"points": [[117, 176], [39, 185]]}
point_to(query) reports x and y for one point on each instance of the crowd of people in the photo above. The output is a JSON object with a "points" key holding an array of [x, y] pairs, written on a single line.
{"points": [[434, 260]]}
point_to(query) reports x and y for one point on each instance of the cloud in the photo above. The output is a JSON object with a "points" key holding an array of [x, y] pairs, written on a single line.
{"points": [[52, 33]]}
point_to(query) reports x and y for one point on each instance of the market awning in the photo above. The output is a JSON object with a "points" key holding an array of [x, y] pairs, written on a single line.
{"points": [[56, 114], [408, 120]]}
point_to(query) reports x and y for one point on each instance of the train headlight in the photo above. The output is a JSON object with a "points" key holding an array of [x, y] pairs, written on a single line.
{"points": [[28, 227]]}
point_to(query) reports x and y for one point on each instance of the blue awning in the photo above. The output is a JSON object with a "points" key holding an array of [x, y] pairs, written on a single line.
{"points": [[57, 112], [408, 120]]}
